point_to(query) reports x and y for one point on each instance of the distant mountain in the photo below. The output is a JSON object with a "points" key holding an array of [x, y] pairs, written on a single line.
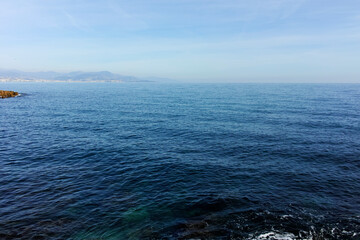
{"points": [[71, 76], [28, 75]]}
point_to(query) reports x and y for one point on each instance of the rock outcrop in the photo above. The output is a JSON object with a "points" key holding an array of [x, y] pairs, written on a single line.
{"points": [[7, 94]]}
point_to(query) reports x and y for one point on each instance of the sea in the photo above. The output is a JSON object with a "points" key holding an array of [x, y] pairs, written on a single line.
{"points": [[180, 161]]}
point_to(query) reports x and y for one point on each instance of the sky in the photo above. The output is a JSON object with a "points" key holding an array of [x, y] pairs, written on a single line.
{"points": [[189, 40]]}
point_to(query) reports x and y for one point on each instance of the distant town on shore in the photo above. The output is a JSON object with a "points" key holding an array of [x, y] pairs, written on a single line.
{"points": [[78, 76]]}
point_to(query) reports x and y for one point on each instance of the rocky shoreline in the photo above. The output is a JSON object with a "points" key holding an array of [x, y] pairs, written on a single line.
{"points": [[8, 94]]}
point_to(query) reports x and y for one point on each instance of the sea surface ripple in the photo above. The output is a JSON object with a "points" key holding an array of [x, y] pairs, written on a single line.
{"points": [[180, 161]]}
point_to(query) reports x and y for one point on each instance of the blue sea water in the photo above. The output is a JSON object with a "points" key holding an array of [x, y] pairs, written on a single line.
{"points": [[180, 161]]}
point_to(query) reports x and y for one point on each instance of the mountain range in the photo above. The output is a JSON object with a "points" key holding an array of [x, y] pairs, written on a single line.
{"points": [[71, 76]]}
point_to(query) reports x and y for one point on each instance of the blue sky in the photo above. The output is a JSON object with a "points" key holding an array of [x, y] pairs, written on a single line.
{"points": [[191, 40]]}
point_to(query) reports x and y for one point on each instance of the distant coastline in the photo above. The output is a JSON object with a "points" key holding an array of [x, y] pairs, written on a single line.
{"points": [[78, 76], [3, 80]]}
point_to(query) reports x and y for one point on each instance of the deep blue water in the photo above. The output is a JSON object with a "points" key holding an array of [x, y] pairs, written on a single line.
{"points": [[180, 161]]}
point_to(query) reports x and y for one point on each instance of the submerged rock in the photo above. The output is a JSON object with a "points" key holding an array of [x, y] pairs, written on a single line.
{"points": [[7, 94]]}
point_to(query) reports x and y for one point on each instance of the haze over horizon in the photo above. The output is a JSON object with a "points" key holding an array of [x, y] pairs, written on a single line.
{"points": [[191, 40]]}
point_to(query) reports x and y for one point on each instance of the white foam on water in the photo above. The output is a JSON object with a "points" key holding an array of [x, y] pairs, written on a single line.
{"points": [[274, 236], [286, 216]]}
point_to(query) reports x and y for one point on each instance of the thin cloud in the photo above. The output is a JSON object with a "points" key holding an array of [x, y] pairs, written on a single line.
{"points": [[126, 18], [76, 23]]}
